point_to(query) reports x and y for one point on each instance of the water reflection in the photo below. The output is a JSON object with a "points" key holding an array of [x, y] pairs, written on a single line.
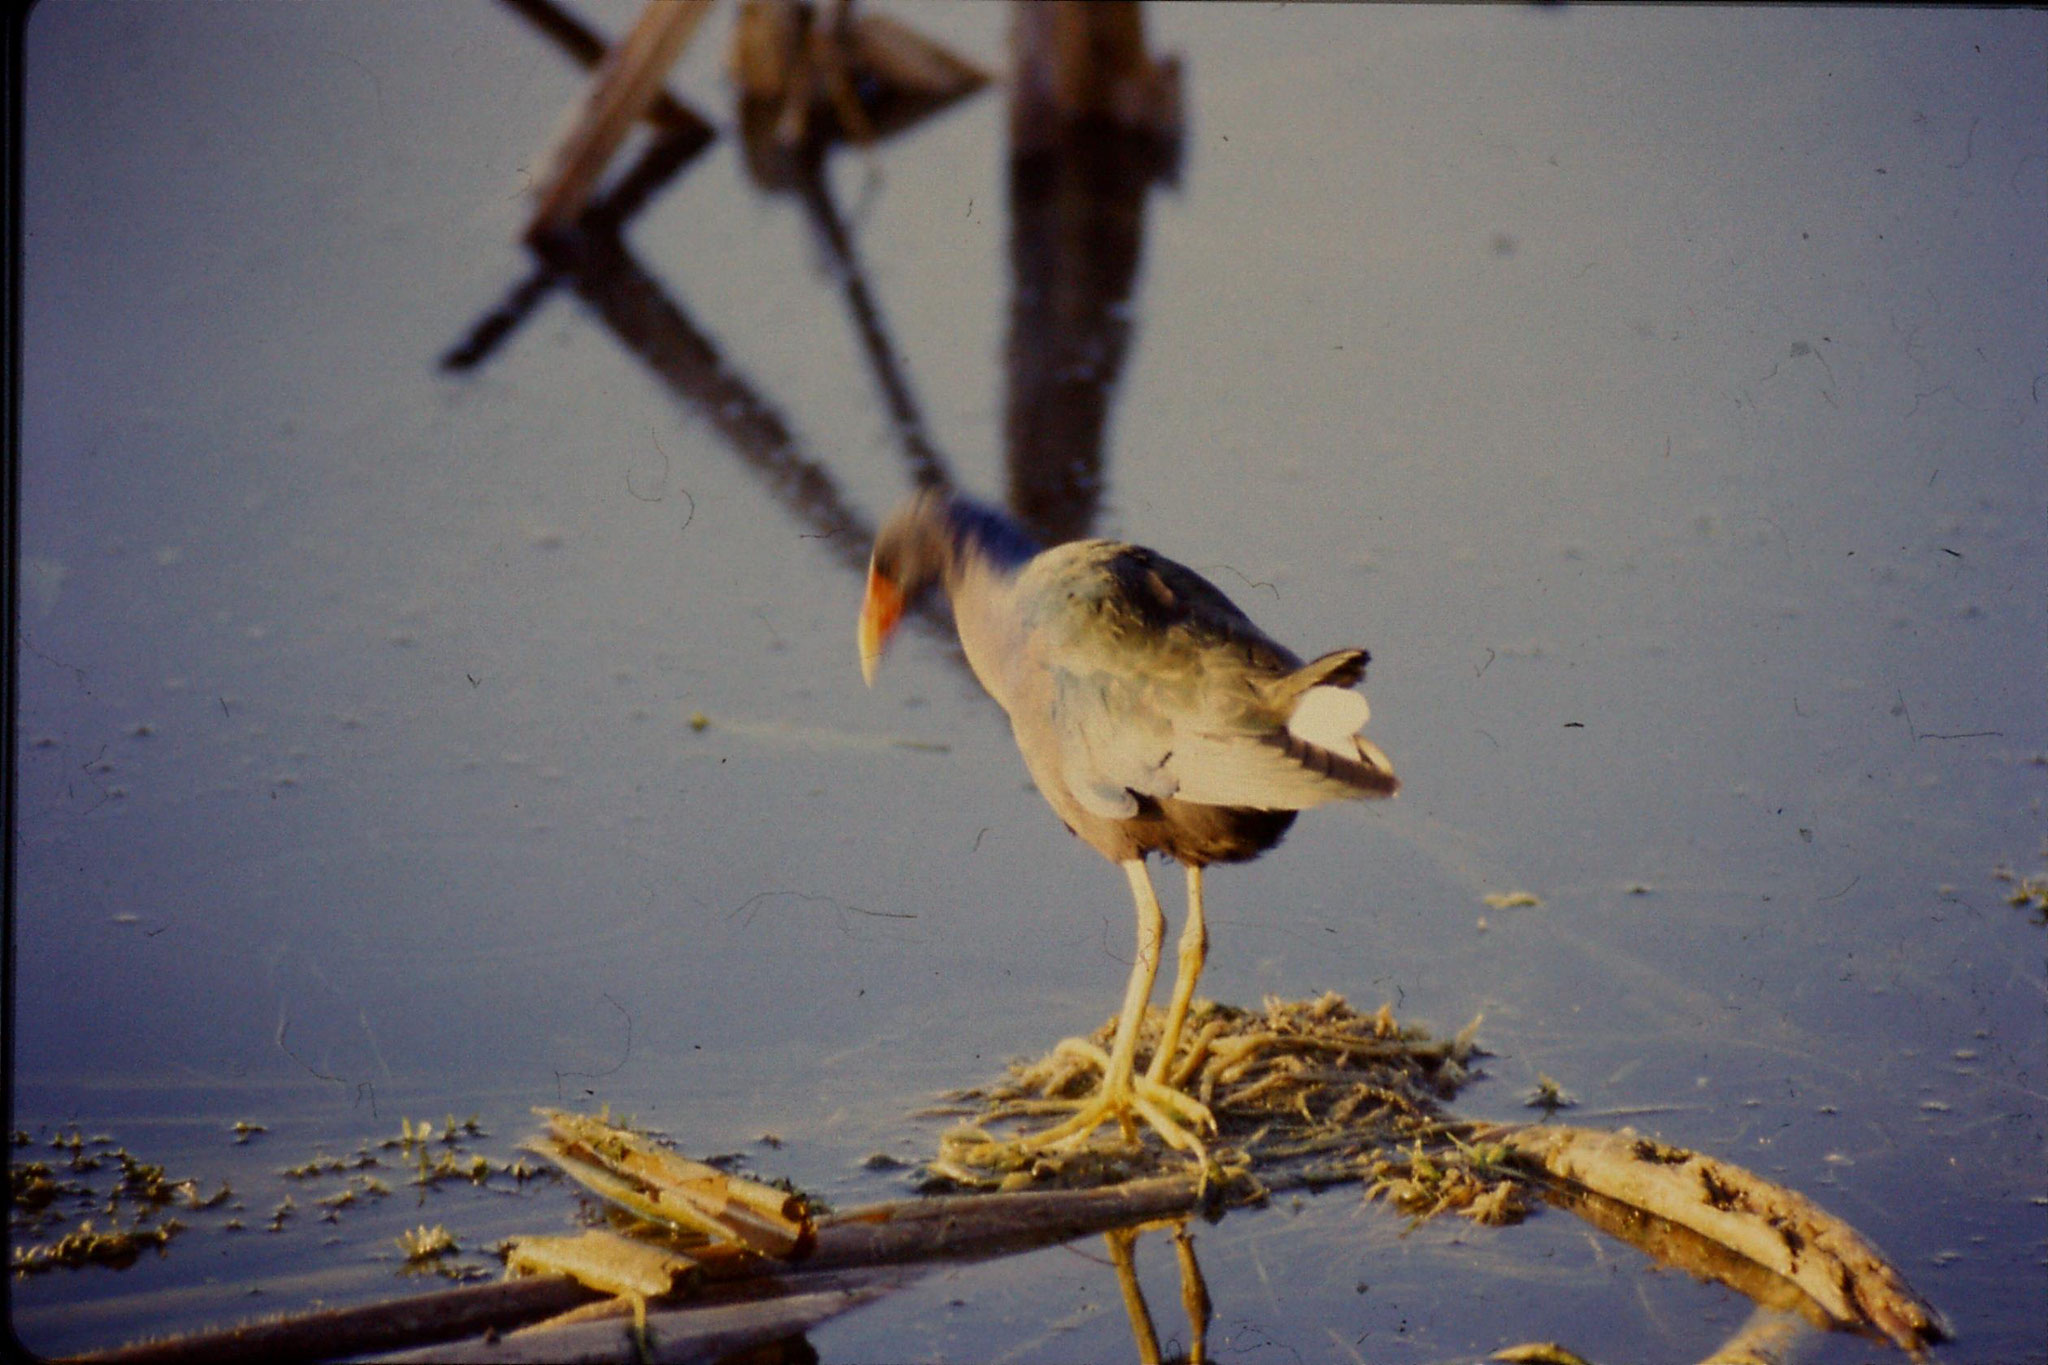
{"points": [[1194, 1290], [1782, 1321], [594, 261], [1080, 175], [1078, 190], [660, 163]]}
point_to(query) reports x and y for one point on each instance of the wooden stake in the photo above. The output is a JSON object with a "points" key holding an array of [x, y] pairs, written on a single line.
{"points": [[625, 87], [587, 50], [1077, 62]]}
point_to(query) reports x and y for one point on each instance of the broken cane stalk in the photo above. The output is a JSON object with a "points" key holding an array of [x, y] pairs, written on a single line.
{"points": [[626, 84], [636, 1173], [1774, 1227]]}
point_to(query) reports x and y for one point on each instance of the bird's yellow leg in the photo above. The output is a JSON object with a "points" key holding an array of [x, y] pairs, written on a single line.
{"points": [[1194, 951], [1122, 1096], [1123, 1051], [1113, 1098]]}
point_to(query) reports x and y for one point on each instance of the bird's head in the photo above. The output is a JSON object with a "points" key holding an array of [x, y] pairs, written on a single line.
{"points": [[911, 552]]}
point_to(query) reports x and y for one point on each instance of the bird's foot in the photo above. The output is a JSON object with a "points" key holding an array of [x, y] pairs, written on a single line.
{"points": [[1126, 1101], [1153, 1094]]}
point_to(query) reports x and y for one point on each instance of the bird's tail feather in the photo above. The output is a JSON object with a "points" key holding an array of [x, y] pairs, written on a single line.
{"points": [[1370, 774], [1338, 668], [1324, 716]]}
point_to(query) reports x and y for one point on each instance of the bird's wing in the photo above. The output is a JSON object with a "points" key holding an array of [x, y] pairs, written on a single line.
{"points": [[1156, 685], [1273, 769], [1111, 751]]}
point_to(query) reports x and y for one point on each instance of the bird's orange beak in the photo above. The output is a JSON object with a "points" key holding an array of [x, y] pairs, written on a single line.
{"points": [[880, 610]]}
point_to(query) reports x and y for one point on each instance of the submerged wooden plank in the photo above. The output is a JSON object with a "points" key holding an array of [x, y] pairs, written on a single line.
{"points": [[443, 1316]]}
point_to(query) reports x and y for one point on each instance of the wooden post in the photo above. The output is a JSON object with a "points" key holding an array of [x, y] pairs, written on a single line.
{"points": [[1086, 62], [624, 88], [587, 50]]}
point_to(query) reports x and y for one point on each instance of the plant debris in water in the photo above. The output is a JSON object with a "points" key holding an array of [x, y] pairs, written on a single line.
{"points": [[125, 1196], [423, 1244], [81, 1202], [2025, 893], [1549, 1096], [86, 1245], [1476, 1180], [641, 1173], [1303, 1092], [1313, 1092]]}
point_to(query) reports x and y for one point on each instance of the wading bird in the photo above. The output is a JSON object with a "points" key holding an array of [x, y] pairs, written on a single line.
{"points": [[1154, 717]]}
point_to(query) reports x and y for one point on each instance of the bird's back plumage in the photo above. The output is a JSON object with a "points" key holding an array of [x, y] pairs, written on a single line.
{"points": [[1152, 713]]}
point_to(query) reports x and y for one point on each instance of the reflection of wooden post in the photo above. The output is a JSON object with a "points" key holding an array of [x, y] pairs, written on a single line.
{"points": [[809, 77], [587, 50], [625, 86], [1083, 60], [1093, 122]]}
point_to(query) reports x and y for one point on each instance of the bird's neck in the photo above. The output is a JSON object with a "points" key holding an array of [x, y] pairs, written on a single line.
{"points": [[986, 617], [978, 531], [988, 550]]}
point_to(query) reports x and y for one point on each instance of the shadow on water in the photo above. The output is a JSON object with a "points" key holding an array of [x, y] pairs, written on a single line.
{"points": [[1079, 182]]}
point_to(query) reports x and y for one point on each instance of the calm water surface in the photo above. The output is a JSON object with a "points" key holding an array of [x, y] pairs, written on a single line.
{"points": [[1657, 393]]}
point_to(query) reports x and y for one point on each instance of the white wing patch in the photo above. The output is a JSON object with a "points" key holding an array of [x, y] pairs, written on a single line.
{"points": [[1328, 717]]}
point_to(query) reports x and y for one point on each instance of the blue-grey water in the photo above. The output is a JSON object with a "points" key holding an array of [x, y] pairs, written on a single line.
{"points": [[1657, 393]]}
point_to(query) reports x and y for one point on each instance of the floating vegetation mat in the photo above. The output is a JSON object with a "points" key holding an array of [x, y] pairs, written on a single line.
{"points": [[123, 1199], [1308, 1093], [1304, 1092]]}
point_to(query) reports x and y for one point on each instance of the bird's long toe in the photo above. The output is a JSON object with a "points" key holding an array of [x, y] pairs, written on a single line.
{"points": [[1126, 1109], [1189, 1111], [1121, 1098]]}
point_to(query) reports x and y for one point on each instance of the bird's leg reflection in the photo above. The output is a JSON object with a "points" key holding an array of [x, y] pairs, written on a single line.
{"points": [[1194, 951], [1120, 1241], [1194, 1292]]}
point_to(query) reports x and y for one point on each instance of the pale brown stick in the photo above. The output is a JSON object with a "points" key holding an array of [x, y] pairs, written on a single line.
{"points": [[587, 50], [1776, 1228], [625, 86]]}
